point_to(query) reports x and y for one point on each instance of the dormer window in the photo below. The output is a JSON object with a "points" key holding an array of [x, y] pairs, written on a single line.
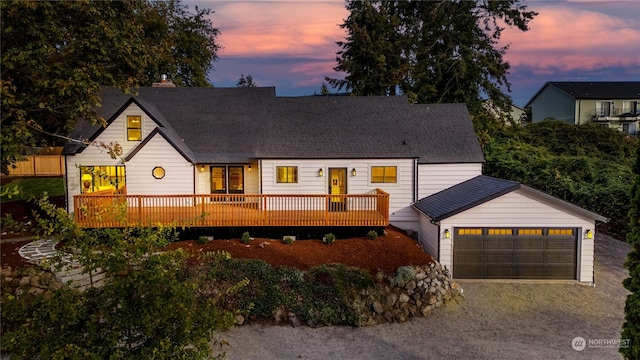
{"points": [[134, 127]]}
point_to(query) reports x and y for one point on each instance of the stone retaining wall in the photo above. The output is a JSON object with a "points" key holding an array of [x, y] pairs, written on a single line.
{"points": [[35, 280], [430, 287]]}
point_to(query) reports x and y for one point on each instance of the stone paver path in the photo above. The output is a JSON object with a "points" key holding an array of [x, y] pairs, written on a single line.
{"points": [[35, 251]]}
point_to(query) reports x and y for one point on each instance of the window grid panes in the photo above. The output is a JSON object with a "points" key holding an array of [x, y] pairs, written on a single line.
{"points": [[500, 231], [529, 231], [469, 231], [102, 178], [134, 128], [560, 231], [384, 174], [287, 174]]}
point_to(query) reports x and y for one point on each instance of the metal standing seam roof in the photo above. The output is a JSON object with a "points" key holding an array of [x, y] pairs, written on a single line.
{"points": [[482, 189], [215, 125]]}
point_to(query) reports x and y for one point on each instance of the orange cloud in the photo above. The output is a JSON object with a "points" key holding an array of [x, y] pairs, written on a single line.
{"points": [[268, 28], [570, 38]]}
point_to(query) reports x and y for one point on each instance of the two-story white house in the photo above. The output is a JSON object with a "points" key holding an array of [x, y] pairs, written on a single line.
{"points": [[612, 104]]}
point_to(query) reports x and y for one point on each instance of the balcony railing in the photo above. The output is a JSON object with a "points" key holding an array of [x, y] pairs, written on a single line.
{"points": [[98, 210]]}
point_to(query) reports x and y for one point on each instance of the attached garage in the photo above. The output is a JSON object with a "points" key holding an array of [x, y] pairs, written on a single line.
{"points": [[488, 228]]}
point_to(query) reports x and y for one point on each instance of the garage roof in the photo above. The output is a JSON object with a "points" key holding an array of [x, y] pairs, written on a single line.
{"points": [[481, 189]]}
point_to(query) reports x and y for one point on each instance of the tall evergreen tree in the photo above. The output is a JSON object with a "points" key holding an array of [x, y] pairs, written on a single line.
{"points": [[56, 55], [434, 51], [631, 325], [246, 81], [372, 54]]}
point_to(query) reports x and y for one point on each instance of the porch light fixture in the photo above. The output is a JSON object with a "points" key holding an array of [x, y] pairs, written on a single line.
{"points": [[201, 168], [447, 234], [353, 172], [588, 234], [320, 172], [249, 168]]}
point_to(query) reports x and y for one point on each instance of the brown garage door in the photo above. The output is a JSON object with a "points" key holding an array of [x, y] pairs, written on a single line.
{"points": [[519, 253]]}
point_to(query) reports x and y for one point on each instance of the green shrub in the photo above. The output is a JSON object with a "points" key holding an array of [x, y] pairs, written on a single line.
{"points": [[334, 294], [372, 234], [149, 306], [631, 326], [202, 240], [329, 294], [329, 238], [587, 165], [8, 224], [262, 297], [246, 238], [403, 276], [288, 240]]}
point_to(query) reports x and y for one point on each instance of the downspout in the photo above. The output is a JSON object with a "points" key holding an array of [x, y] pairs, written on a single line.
{"points": [[438, 251], [65, 179], [260, 176], [415, 180], [437, 223]]}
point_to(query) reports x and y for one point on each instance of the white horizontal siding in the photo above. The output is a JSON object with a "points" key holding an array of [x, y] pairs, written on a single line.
{"points": [[428, 236], [446, 253], [516, 209], [158, 152], [400, 193], [433, 178], [586, 253], [97, 155]]}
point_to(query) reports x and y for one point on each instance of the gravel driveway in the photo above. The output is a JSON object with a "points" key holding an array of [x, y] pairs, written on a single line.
{"points": [[494, 320]]}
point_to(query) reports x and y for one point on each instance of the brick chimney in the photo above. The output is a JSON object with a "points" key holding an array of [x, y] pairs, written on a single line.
{"points": [[163, 82]]}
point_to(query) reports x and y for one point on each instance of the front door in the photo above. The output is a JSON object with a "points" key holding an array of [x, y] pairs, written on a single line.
{"points": [[337, 186]]}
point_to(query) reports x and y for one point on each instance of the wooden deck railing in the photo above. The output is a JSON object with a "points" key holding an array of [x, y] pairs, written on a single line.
{"points": [[210, 210]]}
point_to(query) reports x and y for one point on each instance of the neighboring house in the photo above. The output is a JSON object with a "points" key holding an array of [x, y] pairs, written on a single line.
{"points": [[612, 104], [243, 157]]}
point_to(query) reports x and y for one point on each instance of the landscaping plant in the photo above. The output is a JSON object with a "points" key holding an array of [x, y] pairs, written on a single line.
{"points": [[246, 238], [288, 240], [630, 337], [587, 165], [202, 240], [329, 238], [149, 306]]}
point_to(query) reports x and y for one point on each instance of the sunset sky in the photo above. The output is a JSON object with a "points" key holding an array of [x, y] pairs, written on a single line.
{"points": [[291, 44]]}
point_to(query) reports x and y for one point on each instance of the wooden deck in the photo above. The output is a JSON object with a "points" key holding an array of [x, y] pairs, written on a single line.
{"points": [[210, 210]]}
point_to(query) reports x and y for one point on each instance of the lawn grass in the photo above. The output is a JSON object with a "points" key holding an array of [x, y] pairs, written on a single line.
{"points": [[31, 187]]}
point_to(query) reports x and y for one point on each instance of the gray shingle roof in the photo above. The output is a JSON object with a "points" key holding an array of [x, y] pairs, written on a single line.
{"points": [[480, 189], [600, 90], [221, 125]]}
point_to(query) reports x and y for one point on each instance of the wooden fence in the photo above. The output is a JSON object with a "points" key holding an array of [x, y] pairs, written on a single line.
{"points": [[39, 165]]}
